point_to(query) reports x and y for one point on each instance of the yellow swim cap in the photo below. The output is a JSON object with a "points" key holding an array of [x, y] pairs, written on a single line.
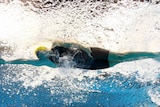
{"points": [[41, 48]]}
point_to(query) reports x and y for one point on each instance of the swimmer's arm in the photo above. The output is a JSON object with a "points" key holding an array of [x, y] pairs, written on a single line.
{"points": [[30, 62], [21, 61]]}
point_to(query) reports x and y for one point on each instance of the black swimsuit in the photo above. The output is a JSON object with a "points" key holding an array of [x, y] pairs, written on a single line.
{"points": [[81, 59], [100, 58]]}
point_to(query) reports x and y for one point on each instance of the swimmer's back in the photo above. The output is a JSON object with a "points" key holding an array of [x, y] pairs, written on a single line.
{"points": [[98, 58]]}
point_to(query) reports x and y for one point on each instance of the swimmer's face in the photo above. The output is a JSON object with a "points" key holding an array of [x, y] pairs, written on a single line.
{"points": [[42, 54]]}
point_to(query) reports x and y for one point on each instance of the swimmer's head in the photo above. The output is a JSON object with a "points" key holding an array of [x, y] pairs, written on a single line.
{"points": [[41, 52]]}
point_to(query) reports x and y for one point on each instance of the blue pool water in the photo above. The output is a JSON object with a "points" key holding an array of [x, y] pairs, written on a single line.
{"points": [[103, 90]]}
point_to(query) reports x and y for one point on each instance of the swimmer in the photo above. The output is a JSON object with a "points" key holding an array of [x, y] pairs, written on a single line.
{"points": [[82, 57]]}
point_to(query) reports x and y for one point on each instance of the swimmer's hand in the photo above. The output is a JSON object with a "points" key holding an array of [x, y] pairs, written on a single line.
{"points": [[2, 61]]}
